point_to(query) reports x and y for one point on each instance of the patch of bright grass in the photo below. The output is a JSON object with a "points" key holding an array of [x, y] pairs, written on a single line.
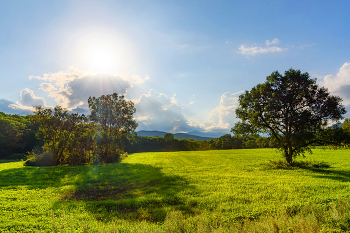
{"points": [[195, 191]]}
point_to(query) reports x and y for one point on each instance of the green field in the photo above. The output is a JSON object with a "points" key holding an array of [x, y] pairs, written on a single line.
{"points": [[195, 191]]}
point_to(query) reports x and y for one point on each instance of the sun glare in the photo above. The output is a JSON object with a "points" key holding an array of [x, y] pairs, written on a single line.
{"points": [[100, 58], [102, 52]]}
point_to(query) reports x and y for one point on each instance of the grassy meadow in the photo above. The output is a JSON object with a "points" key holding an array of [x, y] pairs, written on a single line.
{"points": [[192, 191]]}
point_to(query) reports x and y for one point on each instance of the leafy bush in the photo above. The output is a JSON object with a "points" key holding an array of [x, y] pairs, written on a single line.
{"points": [[42, 159]]}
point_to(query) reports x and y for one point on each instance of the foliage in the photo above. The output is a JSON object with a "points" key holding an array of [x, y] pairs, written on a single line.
{"points": [[17, 135], [346, 125], [169, 137], [345, 132], [134, 143], [69, 138], [114, 116], [292, 109], [206, 191]]}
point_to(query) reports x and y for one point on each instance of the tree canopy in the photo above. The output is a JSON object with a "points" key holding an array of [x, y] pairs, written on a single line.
{"points": [[68, 137], [114, 116], [292, 109], [17, 135]]}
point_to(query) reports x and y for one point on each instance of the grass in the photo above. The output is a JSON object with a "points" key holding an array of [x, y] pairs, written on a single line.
{"points": [[196, 191]]}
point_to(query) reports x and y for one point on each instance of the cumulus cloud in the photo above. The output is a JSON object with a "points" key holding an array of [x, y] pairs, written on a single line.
{"points": [[223, 117], [137, 79], [72, 89], [339, 84], [47, 87], [29, 99], [253, 50], [10, 107], [157, 111], [26, 104]]}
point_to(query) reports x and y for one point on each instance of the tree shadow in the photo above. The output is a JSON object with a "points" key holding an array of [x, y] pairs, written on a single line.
{"points": [[136, 192], [315, 167], [338, 175], [34, 177]]}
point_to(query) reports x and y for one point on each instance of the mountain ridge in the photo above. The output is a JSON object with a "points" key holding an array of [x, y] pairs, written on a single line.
{"points": [[190, 135]]}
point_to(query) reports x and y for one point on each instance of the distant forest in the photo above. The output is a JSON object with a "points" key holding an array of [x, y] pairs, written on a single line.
{"points": [[18, 137]]}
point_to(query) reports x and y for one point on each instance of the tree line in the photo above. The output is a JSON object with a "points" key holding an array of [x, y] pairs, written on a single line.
{"points": [[133, 144], [74, 139], [55, 136], [291, 110]]}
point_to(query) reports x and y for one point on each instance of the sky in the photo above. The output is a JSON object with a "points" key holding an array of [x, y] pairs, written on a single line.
{"points": [[183, 63]]}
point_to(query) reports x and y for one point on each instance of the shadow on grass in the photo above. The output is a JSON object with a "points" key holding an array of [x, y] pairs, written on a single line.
{"points": [[33, 177], [136, 192], [338, 175], [282, 164], [315, 167]]}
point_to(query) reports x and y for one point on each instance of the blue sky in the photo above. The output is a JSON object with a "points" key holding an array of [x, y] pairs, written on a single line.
{"points": [[183, 63]]}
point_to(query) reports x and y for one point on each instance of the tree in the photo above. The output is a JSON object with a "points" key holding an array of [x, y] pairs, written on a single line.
{"points": [[346, 125], [168, 137], [114, 116], [262, 142], [345, 134], [68, 137], [292, 109], [17, 135]]}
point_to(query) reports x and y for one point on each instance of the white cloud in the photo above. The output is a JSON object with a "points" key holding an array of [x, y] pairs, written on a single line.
{"points": [[71, 89], [306, 46], [156, 111], [29, 99], [274, 41], [25, 105], [173, 100], [47, 87], [339, 84], [137, 79], [223, 117], [10, 107], [253, 50]]}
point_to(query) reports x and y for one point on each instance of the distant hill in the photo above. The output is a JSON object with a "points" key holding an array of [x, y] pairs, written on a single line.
{"points": [[338, 125], [208, 134], [176, 135]]}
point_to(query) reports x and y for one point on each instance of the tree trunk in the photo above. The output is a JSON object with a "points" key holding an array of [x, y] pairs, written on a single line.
{"points": [[289, 156]]}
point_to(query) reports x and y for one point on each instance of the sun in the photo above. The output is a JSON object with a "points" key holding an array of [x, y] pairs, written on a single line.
{"points": [[102, 51], [100, 57]]}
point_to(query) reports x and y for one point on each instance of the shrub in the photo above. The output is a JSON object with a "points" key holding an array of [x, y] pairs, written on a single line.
{"points": [[40, 159]]}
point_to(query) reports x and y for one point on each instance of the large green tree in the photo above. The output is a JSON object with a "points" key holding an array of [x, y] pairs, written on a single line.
{"points": [[292, 109], [69, 138], [114, 116]]}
